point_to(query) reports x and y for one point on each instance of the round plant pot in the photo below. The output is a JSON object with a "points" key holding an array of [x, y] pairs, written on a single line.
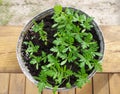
{"points": [[25, 70]]}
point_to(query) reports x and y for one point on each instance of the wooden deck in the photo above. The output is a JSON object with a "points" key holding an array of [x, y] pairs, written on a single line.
{"points": [[13, 81], [17, 83]]}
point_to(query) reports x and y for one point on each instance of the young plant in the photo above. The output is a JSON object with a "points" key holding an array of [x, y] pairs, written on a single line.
{"points": [[31, 48], [35, 60], [39, 29], [73, 47]]}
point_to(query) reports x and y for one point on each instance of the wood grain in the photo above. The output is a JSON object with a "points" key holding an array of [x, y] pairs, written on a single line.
{"points": [[31, 88], [9, 36], [71, 91], [47, 91], [8, 40], [17, 84], [4, 83], [101, 84], [111, 62], [87, 89], [114, 83]]}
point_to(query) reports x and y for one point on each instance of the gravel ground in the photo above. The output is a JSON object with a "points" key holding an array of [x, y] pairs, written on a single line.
{"points": [[19, 12]]}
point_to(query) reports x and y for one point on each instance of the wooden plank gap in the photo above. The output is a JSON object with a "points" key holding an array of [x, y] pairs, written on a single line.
{"points": [[114, 80], [101, 85], [17, 84], [31, 88], [92, 85], [109, 81], [25, 86], [86, 89], [9, 83]]}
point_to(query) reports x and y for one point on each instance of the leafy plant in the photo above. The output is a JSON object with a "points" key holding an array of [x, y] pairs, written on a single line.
{"points": [[39, 28], [73, 45], [37, 59], [31, 48]]}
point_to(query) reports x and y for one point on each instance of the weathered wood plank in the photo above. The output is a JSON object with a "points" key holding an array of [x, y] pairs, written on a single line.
{"points": [[101, 84], [47, 91], [17, 84], [71, 91], [4, 83], [31, 88], [111, 62], [9, 36], [8, 41], [114, 80], [87, 89]]}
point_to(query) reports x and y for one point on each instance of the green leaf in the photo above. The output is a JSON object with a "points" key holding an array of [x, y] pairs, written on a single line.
{"points": [[69, 12], [68, 85], [61, 19], [33, 61], [82, 79], [77, 29], [87, 23], [37, 66], [25, 42], [44, 57], [89, 64], [62, 56], [55, 89], [54, 49], [82, 64], [68, 73], [59, 77], [61, 26], [78, 38], [97, 65], [54, 25], [57, 9], [76, 17], [63, 62], [71, 56], [49, 65], [38, 28], [89, 37], [82, 18], [41, 86], [58, 41], [50, 73], [89, 19], [85, 45], [31, 48], [52, 59], [97, 53], [44, 68], [56, 73], [65, 50]]}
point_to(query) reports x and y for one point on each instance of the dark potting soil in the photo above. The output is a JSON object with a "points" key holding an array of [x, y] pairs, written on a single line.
{"points": [[34, 37]]}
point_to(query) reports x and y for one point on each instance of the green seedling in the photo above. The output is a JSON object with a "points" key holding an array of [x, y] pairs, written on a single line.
{"points": [[38, 28], [71, 28]]}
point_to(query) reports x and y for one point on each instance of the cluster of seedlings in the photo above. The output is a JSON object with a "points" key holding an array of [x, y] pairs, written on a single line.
{"points": [[61, 50]]}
